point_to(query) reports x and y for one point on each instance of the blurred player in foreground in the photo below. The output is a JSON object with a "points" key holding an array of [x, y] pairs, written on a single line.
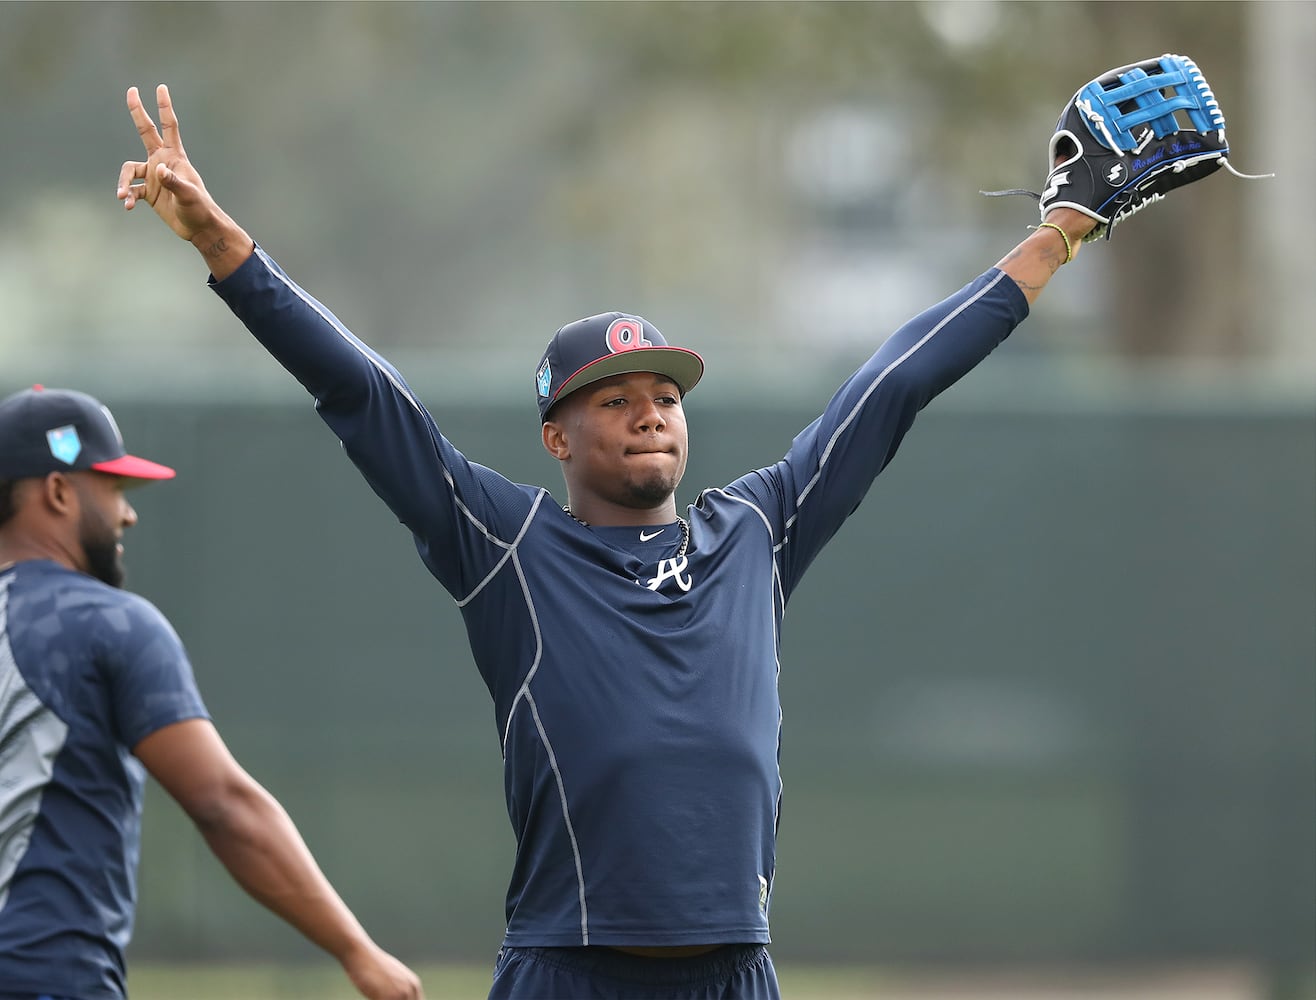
{"points": [[631, 652], [94, 685]]}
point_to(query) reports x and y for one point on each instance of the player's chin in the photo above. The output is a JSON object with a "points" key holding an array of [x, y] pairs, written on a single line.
{"points": [[105, 563], [656, 485]]}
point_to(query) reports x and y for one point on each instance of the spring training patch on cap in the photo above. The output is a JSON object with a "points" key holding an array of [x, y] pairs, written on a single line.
{"points": [[62, 430], [544, 378], [65, 443]]}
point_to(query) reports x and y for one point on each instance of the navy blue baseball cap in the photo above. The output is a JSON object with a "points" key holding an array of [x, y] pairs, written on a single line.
{"points": [[613, 343], [59, 430]]}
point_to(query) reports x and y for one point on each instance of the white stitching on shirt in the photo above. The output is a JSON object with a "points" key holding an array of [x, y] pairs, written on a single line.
{"points": [[511, 548], [566, 818]]}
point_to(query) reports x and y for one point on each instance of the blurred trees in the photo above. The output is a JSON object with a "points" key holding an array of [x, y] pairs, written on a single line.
{"points": [[473, 174]]}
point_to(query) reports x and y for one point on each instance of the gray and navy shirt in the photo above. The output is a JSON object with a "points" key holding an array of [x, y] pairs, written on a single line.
{"points": [[635, 690], [86, 672]]}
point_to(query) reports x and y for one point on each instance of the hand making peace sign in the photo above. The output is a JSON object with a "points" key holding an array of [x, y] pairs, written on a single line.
{"points": [[167, 181]]}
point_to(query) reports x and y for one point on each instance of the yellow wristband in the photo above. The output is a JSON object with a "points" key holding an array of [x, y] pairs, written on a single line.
{"points": [[1069, 248]]}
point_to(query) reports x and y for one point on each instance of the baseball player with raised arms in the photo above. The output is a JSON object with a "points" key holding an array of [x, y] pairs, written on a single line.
{"points": [[631, 651]]}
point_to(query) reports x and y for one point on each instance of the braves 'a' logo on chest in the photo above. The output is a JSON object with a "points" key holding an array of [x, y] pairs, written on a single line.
{"points": [[673, 569]]}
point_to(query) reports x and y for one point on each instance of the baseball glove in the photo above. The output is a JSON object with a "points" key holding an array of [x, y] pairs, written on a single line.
{"points": [[1128, 138]]}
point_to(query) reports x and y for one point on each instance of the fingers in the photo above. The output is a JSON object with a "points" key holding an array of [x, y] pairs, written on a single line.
{"points": [[135, 183], [128, 192], [144, 179], [168, 119], [167, 135], [145, 127], [165, 175]]}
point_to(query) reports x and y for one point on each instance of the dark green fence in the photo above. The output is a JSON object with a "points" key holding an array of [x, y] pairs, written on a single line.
{"points": [[1049, 695]]}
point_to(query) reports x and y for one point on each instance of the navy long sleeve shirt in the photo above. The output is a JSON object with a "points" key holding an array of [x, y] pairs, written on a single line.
{"points": [[635, 688]]}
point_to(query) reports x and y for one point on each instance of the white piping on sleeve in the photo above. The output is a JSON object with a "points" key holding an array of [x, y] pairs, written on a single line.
{"points": [[359, 346], [850, 417], [524, 692], [341, 330]]}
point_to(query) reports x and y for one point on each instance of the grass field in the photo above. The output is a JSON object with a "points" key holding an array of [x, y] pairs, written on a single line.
{"points": [[798, 982], [442, 982]]}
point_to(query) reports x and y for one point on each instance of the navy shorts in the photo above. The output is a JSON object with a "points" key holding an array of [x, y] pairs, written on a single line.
{"points": [[732, 972]]}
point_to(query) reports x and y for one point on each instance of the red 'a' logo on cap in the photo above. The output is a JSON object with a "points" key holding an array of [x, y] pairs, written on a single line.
{"points": [[626, 335]]}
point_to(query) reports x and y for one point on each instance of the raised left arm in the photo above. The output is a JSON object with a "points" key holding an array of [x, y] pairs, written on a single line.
{"points": [[1037, 258]]}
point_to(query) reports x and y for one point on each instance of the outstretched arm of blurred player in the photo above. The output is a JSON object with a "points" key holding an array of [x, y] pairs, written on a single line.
{"points": [[167, 181], [255, 839]]}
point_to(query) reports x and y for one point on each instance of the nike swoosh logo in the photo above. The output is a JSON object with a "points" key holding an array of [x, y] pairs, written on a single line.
{"points": [[646, 535]]}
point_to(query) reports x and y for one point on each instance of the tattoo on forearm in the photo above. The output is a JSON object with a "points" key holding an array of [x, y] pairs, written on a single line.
{"points": [[216, 249], [1046, 256]]}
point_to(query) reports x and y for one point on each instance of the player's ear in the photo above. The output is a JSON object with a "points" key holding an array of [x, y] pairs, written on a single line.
{"points": [[57, 493], [555, 441]]}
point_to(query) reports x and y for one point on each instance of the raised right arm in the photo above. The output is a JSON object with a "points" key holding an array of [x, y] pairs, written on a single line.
{"points": [[446, 501], [357, 393]]}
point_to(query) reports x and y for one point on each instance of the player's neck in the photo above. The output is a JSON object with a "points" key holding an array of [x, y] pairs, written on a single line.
{"points": [[20, 548], [603, 514]]}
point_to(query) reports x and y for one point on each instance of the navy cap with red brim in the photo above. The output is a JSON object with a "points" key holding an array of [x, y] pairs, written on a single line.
{"points": [[62, 430]]}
